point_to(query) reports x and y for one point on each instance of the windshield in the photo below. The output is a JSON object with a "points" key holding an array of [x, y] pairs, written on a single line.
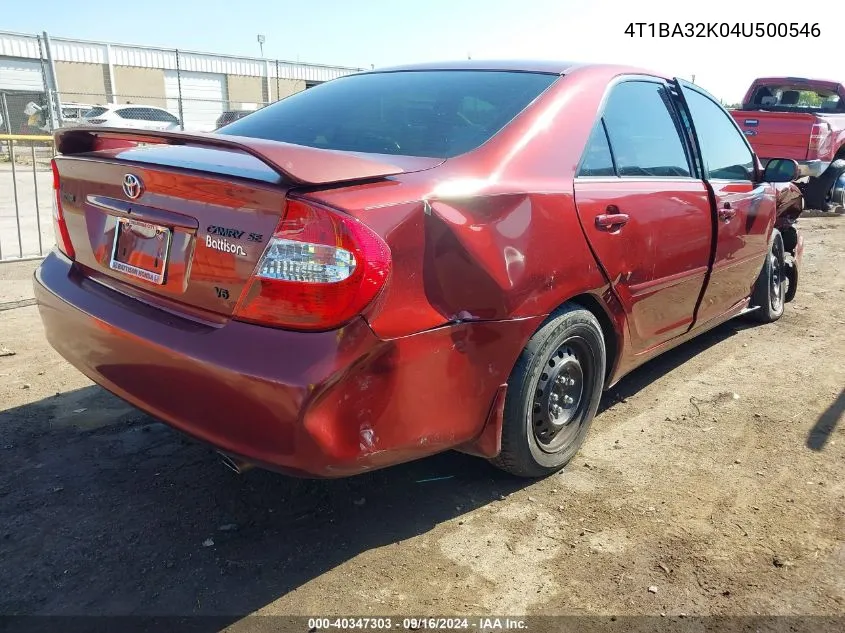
{"points": [[436, 114], [795, 98]]}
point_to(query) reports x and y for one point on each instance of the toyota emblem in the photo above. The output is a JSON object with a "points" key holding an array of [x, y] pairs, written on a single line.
{"points": [[132, 186]]}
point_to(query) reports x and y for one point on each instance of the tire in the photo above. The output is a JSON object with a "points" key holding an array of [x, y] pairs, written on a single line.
{"points": [[771, 286], [818, 189], [553, 394], [791, 272]]}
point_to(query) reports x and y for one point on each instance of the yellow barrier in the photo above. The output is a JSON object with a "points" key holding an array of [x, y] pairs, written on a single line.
{"points": [[26, 137]]}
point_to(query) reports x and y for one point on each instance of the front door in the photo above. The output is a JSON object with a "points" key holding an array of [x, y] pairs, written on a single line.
{"points": [[645, 214], [745, 209]]}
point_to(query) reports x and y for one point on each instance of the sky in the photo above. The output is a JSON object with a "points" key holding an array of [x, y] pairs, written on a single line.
{"points": [[361, 33]]}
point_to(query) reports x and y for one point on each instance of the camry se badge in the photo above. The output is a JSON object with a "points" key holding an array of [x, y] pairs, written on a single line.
{"points": [[222, 231], [224, 246]]}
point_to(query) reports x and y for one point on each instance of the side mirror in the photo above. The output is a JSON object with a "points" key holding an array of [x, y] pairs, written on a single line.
{"points": [[781, 170]]}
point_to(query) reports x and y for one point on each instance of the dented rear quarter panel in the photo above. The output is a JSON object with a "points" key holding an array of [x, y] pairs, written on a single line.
{"points": [[492, 234]]}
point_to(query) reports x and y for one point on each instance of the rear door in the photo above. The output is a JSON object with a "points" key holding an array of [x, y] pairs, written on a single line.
{"points": [[745, 209], [645, 213]]}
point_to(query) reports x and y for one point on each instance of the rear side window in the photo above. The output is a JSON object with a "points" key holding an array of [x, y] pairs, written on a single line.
{"points": [[723, 148], [438, 114], [643, 131], [597, 160], [796, 97], [94, 112]]}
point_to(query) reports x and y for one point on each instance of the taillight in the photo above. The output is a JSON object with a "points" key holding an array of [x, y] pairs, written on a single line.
{"points": [[820, 137], [320, 269], [59, 224]]}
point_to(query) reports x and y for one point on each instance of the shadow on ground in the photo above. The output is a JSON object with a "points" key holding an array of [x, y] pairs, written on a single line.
{"points": [[105, 511], [108, 514], [826, 424]]}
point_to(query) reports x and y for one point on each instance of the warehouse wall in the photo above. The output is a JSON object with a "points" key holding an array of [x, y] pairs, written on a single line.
{"points": [[286, 87], [139, 85], [245, 90], [83, 82]]}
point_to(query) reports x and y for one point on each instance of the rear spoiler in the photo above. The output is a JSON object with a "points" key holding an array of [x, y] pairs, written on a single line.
{"points": [[297, 164]]}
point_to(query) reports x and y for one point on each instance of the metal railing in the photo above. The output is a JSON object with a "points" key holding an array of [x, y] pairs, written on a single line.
{"points": [[26, 185]]}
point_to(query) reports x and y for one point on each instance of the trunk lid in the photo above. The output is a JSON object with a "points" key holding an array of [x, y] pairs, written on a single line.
{"points": [[183, 222], [777, 134]]}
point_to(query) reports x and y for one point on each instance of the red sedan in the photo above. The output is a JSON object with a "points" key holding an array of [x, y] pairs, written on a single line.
{"points": [[405, 261]]}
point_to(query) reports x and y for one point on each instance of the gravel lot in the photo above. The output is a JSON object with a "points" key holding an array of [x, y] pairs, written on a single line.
{"points": [[711, 483]]}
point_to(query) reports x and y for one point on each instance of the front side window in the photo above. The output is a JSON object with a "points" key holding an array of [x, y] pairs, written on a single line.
{"points": [[437, 114], [643, 131], [723, 148]]}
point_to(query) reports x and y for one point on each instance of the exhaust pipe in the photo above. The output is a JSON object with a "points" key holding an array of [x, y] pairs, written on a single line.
{"points": [[234, 464]]}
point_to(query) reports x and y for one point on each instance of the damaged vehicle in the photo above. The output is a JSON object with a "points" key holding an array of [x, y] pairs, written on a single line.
{"points": [[410, 260]]}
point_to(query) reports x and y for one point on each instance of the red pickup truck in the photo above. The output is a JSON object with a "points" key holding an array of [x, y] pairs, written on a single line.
{"points": [[801, 119]]}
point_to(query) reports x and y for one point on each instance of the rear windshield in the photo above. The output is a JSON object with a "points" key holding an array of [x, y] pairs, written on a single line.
{"points": [[94, 112], [437, 114], [795, 98]]}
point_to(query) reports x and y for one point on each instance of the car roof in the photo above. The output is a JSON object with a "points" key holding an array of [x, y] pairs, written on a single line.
{"points": [[797, 81], [512, 65], [542, 66], [121, 106]]}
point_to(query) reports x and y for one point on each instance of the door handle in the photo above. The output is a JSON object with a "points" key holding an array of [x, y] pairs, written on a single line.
{"points": [[727, 213], [611, 221]]}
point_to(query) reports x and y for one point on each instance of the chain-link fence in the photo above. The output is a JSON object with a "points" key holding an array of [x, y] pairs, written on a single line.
{"points": [[26, 147], [150, 112]]}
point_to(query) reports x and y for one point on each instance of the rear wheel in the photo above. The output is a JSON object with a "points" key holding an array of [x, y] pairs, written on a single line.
{"points": [[553, 394], [819, 192], [770, 289]]}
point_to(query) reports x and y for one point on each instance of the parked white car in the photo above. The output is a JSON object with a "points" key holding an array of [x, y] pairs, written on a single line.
{"points": [[73, 112], [131, 115]]}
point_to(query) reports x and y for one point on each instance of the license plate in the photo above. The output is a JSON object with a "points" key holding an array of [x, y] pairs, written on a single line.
{"points": [[140, 249]]}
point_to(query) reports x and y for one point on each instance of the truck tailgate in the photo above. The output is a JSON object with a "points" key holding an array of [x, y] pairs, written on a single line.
{"points": [[777, 134]]}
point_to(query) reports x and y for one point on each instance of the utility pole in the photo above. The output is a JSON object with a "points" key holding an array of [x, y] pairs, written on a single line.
{"points": [[261, 44]]}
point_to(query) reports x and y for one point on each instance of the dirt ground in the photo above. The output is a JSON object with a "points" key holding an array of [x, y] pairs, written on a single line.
{"points": [[711, 483]]}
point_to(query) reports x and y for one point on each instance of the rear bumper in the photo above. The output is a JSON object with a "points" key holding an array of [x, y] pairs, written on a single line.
{"points": [[812, 168], [327, 404]]}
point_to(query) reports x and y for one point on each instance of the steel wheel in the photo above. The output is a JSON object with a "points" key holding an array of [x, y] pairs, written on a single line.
{"points": [[769, 295], [553, 393], [777, 277], [559, 396]]}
